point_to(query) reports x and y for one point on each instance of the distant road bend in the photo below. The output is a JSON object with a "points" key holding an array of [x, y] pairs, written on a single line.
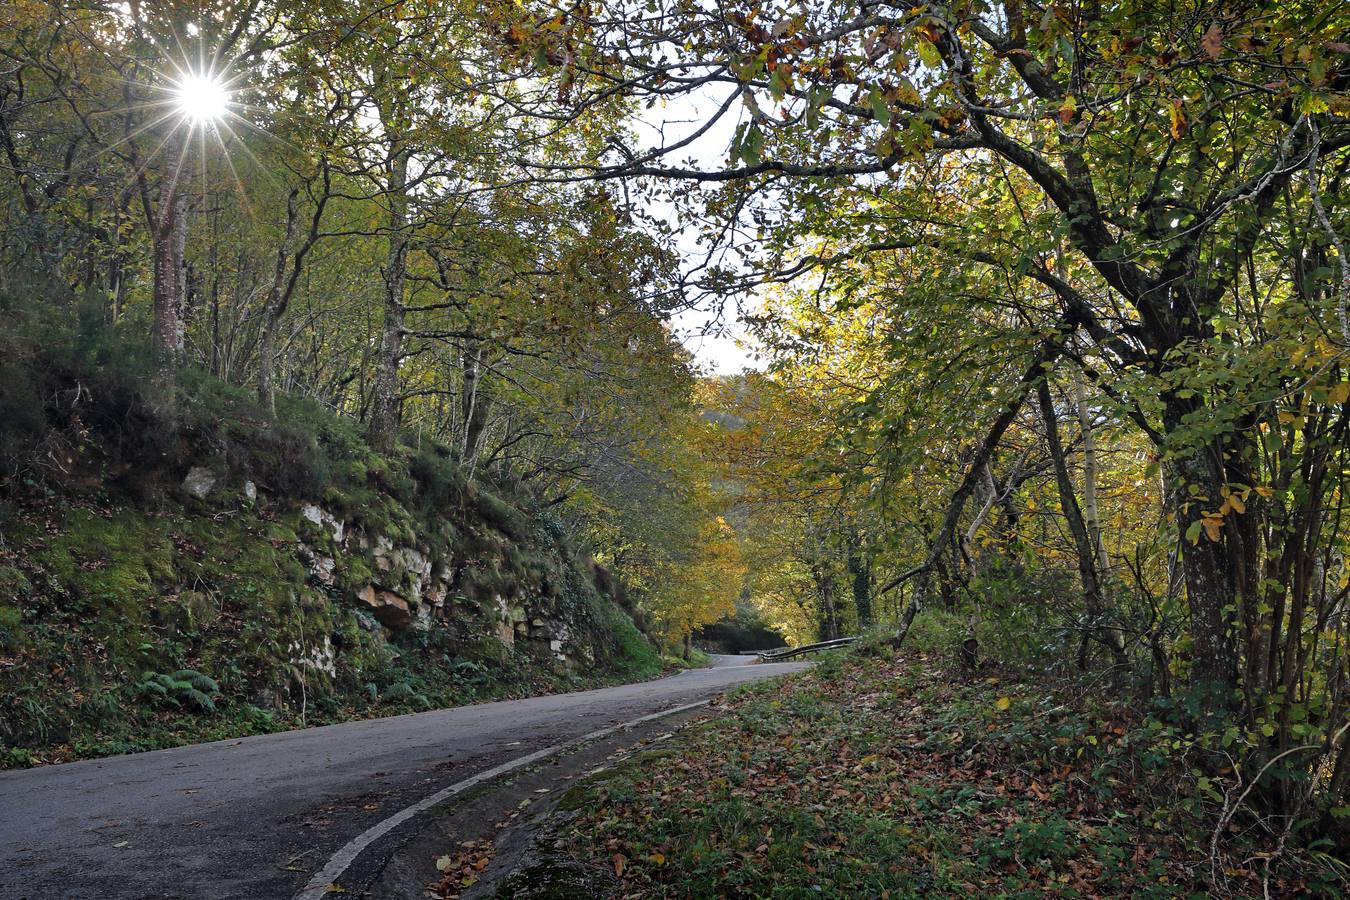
{"points": [[256, 817]]}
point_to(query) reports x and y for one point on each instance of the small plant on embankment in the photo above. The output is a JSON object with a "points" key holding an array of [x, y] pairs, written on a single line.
{"points": [[181, 690]]}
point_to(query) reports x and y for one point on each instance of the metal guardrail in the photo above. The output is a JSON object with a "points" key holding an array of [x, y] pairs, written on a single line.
{"points": [[783, 653]]}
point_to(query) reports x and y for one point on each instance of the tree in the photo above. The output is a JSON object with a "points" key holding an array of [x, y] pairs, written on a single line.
{"points": [[351, 233], [1157, 144], [702, 586]]}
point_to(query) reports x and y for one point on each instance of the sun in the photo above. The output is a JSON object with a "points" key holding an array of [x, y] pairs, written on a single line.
{"points": [[202, 99]]}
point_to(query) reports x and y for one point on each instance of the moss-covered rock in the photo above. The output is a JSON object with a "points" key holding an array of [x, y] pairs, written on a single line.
{"points": [[119, 574], [105, 594]]}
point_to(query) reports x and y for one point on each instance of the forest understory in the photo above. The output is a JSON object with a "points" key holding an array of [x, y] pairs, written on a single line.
{"points": [[185, 571]]}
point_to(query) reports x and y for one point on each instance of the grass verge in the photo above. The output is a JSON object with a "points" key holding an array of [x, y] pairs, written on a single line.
{"points": [[881, 777]]}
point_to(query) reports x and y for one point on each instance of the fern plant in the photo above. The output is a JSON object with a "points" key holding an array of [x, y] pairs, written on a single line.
{"points": [[402, 692], [468, 673], [184, 688]]}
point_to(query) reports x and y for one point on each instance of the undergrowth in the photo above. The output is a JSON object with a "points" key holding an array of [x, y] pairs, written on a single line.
{"points": [[903, 777], [123, 631]]}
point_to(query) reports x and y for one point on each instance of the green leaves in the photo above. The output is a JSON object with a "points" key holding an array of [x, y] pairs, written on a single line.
{"points": [[881, 110], [182, 688], [928, 53], [747, 144]]}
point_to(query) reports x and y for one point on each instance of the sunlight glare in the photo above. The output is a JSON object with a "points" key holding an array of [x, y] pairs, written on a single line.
{"points": [[202, 99]]}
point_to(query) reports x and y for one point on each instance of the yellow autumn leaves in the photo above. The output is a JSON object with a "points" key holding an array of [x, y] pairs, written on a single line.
{"points": [[702, 589]]}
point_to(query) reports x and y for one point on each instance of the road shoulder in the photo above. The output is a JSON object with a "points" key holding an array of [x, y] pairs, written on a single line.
{"points": [[500, 821]]}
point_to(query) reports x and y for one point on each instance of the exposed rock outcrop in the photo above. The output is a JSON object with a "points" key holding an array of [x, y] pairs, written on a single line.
{"points": [[404, 585]]}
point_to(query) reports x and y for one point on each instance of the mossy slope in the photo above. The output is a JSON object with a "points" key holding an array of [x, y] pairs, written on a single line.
{"points": [[112, 572]]}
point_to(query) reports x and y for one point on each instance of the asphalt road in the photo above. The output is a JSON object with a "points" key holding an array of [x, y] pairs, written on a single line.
{"points": [[254, 817]]}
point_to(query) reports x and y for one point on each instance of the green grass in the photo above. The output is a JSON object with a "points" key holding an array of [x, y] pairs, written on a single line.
{"points": [[698, 659]]}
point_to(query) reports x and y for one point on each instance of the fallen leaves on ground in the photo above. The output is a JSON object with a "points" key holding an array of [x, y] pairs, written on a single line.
{"points": [[900, 778], [460, 869]]}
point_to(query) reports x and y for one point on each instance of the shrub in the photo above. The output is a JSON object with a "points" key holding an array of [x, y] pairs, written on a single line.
{"points": [[936, 631], [225, 423], [1033, 616], [16, 758], [500, 515], [23, 415], [440, 481]]}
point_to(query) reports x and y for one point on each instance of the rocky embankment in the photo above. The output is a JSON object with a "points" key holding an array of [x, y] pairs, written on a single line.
{"points": [[146, 607]]}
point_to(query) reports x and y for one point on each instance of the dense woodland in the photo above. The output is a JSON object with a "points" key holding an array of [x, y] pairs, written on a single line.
{"points": [[1053, 298], [341, 235]]}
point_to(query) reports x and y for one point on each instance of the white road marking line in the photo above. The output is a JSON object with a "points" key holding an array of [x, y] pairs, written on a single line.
{"points": [[317, 888]]}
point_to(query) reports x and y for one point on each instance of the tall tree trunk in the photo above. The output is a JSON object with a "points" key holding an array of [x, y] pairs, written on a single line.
{"points": [[382, 430], [826, 612], [214, 361], [860, 572], [1091, 518], [474, 400], [169, 238], [1093, 598], [275, 308], [1206, 567], [284, 280], [829, 617]]}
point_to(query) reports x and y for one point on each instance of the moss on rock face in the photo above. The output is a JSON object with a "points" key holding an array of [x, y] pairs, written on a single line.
{"points": [[107, 561], [275, 593], [242, 560], [105, 594], [353, 572]]}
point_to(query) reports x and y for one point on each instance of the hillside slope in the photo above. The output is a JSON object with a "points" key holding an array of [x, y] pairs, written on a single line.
{"points": [[177, 564]]}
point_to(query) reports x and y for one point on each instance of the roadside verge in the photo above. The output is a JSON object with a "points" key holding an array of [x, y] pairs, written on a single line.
{"points": [[329, 879]]}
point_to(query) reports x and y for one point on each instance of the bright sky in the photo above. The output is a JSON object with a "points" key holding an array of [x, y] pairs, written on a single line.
{"points": [[715, 353], [715, 336]]}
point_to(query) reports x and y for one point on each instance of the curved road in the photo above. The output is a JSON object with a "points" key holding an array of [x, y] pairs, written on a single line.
{"points": [[254, 817]]}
